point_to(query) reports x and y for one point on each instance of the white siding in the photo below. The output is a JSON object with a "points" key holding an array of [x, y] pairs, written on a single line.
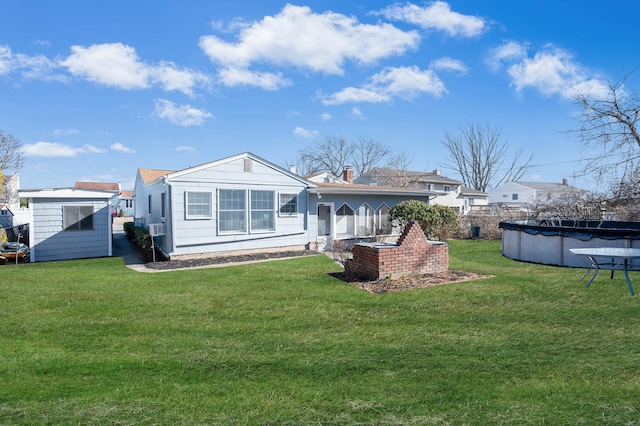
{"points": [[51, 242], [194, 236]]}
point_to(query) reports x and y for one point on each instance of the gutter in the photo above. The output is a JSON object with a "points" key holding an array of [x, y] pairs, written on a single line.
{"points": [[372, 191]]}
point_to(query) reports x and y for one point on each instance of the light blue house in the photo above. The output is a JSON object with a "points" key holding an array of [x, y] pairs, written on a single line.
{"points": [[69, 223], [245, 202]]}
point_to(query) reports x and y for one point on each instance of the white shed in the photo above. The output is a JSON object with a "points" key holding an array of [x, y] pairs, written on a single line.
{"points": [[69, 223]]}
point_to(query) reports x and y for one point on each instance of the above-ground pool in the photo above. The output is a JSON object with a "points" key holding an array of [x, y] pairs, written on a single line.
{"points": [[548, 241]]}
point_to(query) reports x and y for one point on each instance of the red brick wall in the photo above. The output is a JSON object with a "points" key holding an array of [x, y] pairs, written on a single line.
{"points": [[412, 255]]}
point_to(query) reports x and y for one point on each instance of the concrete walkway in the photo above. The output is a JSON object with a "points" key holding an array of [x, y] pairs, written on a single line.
{"points": [[124, 248]]}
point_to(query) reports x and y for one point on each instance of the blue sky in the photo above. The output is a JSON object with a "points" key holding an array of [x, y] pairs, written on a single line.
{"points": [[95, 90]]}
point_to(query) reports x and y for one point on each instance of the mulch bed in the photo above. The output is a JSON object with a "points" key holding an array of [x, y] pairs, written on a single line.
{"points": [[386, 285], [224, 259]]}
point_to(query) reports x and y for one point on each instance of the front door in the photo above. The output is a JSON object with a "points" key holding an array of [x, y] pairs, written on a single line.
{"points": [[324, 220]]}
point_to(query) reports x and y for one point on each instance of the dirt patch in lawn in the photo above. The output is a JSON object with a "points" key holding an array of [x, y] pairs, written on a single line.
{"points": [[386, 285]]}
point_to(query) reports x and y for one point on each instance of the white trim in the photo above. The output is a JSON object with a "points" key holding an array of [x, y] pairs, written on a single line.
{"points": [[188, 216]]}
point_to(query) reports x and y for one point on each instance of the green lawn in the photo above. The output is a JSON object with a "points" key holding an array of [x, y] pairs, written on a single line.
{"points": [[92, 342]]}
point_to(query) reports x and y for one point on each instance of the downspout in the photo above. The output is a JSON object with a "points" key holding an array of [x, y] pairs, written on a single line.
{"points": [[169, 223], [32, 232], [110, 226]]}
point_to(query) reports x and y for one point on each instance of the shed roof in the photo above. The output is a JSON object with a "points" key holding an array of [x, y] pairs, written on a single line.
{"points": [[101, 186], [69, 193]]}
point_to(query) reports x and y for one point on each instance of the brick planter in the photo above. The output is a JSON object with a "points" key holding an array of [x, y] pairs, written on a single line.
{"points": [[412, 255]]}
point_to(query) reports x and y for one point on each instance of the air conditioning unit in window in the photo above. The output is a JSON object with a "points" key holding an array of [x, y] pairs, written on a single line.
{"points": [[157, 229]]}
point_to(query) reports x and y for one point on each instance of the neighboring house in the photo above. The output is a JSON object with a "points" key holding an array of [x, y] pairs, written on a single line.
{"points": [[245, 202], [524, 194], [123, 203], [450, 192], [69, 223], [126, 203], [11, 214]]}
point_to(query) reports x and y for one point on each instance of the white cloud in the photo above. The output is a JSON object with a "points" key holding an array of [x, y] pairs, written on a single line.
{"points": [[356, 113], [304, 133], [121, 148], [184, 148], [113, 64], [449, 64], [182, 115], [30, 67], [321, 42], [390, 83], [436, 16], [554, 72], [243, 77], [5, 60], [53, 149], [355, 94], [508, 51], [66, 132], [325, 116], [118, 65]]}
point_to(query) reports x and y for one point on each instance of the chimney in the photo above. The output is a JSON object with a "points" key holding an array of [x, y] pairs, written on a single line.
{"points": [[293, 169], [437, 172], [565, 182], [347, 175]]}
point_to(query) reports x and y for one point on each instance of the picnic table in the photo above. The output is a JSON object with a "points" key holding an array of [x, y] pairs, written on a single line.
{"points": [[609, 258]]}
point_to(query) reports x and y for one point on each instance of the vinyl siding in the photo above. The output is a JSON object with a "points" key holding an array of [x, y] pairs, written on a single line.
{"points": [[52, 242]]}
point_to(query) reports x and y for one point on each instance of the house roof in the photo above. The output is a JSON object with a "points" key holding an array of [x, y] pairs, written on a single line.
{"points": [[126, 194], [100, 186], [350, 188], [149, 175], [465, 190], [8, 178], [325, 177], [547, 187], [381, 173]]}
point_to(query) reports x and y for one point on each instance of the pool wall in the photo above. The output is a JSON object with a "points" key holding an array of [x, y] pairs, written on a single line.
{"points": [[548, 242]]}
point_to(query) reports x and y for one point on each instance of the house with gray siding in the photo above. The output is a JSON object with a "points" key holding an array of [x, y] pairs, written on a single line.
{"points": [[245, 202], [69, 223], [238, 203]]}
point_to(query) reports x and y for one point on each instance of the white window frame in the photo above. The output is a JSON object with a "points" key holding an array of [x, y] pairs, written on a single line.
{"points": [[338, 223], [244, 210], [365, 214], [267, 212], [187, 203], [281, 205], [163, 204], [81, 218], [380, 230]]}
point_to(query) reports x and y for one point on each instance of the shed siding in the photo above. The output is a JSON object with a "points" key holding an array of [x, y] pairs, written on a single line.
{"points": [[52, 242]]}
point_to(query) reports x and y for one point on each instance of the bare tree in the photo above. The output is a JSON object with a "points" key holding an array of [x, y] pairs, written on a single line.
{"points": [[367, 154], [334, 153], [396, 173], [10, 153], [609, 129], [479, 155], [10, 159], [331, 154]]}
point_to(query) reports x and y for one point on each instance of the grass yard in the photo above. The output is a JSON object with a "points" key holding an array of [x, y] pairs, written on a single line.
{"points": [[92, 342]]}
